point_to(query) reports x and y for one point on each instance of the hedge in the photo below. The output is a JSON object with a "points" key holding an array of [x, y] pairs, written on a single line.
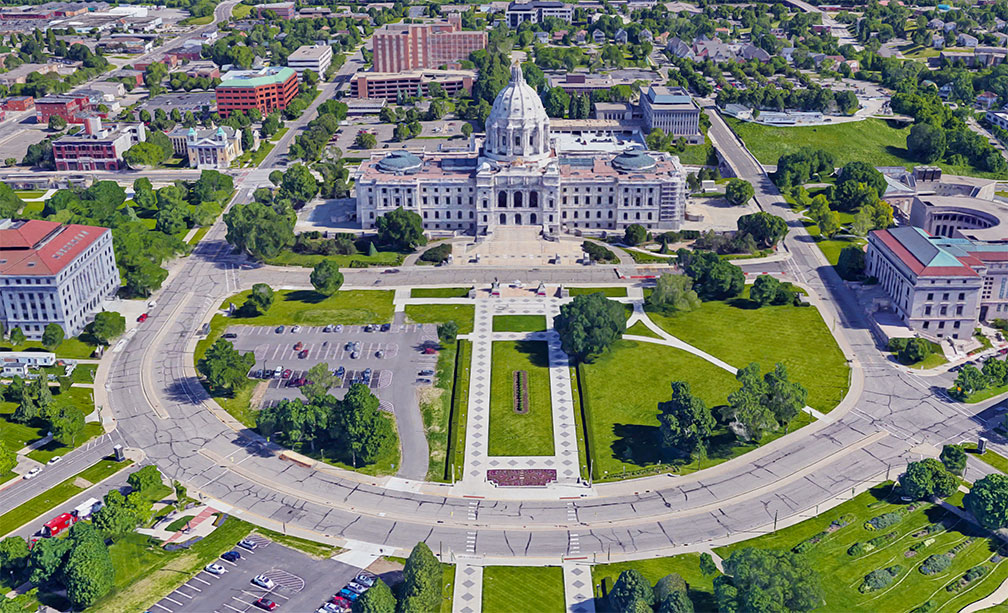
{"points": [[936, 564]]}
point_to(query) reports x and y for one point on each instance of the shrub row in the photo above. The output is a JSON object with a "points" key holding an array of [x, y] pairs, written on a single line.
{"points": [[598, 253], [886, 519], [936, 564], [878, 579], [928, 530], [969, 577], [809, 543]]}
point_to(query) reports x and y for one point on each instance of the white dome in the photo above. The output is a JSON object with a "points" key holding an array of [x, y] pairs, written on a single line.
{"points": [[517, 126]]}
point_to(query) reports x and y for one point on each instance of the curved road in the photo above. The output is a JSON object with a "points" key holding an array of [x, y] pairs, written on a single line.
{"points": [[889, 418]]}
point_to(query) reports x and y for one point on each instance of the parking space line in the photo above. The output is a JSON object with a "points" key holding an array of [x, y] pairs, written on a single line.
{"points": [[169, 599], [234, 609], [183, 593], [192, 587], [201, 580], [158, 604]]}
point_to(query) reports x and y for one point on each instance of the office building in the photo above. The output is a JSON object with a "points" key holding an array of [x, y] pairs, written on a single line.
{"points": [[411, 47], [213, 148], [283, 10], [316, 58], [97, 147], [535, 12], [409, 84], [267, 89], [54, 273], [671, 109]]}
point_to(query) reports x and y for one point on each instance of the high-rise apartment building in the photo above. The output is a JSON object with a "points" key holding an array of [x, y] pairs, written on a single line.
{"points": [[419, 46]]}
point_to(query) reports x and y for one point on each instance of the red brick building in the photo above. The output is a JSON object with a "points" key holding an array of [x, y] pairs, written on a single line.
{"points": [[97, 148], [268, 89], [283, 10], [70, 107], [18, 103], [413, 47]]}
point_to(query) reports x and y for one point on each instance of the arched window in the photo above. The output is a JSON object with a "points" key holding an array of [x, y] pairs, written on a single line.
{"points": [[502, 200], [518, 200], [533, 199], [532, 219], [518, 218]]}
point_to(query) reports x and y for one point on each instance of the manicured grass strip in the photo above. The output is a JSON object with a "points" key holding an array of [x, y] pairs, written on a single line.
{"points": [[687, 566], [306, 260], [737, 333], [584, 451], [447, 587], [996, 460], [310, 308], [459, 412], [519, 323], [639, 329], [608, 292], [502, 585], [72, 348], [527, 434], [57, 495], [841, 574], [435, 408], [440, 292], [144, 572], [198, 235], [462, 314], [986, 394], [179, 523], [312, 548]]}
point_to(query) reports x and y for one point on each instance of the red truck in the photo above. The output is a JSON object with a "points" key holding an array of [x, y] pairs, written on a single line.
{"points": [[58, 524]]}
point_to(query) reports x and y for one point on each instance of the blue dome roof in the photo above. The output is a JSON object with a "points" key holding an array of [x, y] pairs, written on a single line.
{"points": [[633, 160], [400, 161]]}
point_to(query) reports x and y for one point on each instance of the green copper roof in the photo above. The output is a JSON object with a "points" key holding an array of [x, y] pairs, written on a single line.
{"points": [[633, 160], [255, 78], [400, 161]]}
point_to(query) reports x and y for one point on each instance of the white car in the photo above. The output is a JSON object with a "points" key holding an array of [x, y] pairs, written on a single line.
{"points": [[296, 329], [215, 569], [55, 459], [264, 582], [31, 473]]}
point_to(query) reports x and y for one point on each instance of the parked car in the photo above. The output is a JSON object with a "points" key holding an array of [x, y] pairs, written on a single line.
{"points": [[31, 473], [279, 329], [247, 544], [55, 460], [340, 372], [379, 354], [142, 318], [357, 587], [369, 328], [328, 328], [264, 582], [231, 556], [386, 327], [349, 594], [296, 329], [266, 604], [303, 354], [427, 372], [298, 345], [278, 372], [429, 351], [365, 579], [341, 602], [286, 374], [339, 327], [355, 355], [229, 335], [215, 569]]}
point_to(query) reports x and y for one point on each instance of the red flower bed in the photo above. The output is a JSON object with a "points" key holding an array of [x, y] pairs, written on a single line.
{"points": [[518, 477]]}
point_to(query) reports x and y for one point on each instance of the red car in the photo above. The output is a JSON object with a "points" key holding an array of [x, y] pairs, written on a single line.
{"points": [[341, 602], [266, 603], [298, 346], [142, 318], [303, 354], [286, 374], [429, 350]]}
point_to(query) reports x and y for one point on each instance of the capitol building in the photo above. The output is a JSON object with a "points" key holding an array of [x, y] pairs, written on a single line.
{"points": [[520, 174]]}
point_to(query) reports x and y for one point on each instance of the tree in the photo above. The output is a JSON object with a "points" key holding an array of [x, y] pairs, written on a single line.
{"points": [[765, 228], [326, 278], [366, 431], [299, 184], [768, 290], [713, 278], [115, 517], [367, 140], [671, 294], [378, 599], [17, 336], [928, 478], [630, 587], [13, 554], [668, 585], [634, 234], [915, 350], [707, 565], [224, 367], [57, 123], [260, 299], [954, 459], [969, 380], [421, 587], [259, 230], [752, 418], [926, 142], [88, 571], [851, 263], [401, 229], [106, 326], [467, 129], [556, 102], [447, 332], [784, 398], [320, 379], [145, 479], [144, 155], [685, 422], [739, 191], [767, 580], [996, 372], [46, 559], [676, 602], [987, 500], [66, 423], [589, 324], [862, 172]]}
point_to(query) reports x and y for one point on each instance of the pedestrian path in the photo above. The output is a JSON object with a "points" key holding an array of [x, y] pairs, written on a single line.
{"points": [[578, 593], [467, 596], [478, 461]]}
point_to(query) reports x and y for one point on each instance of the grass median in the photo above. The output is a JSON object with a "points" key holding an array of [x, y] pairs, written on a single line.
{"points": [[519, 323], [462, 314], [500, 583], [512, 433]]}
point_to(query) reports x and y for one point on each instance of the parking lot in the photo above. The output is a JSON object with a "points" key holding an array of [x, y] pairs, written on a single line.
{"points": [[302, 582], [376, 358]]}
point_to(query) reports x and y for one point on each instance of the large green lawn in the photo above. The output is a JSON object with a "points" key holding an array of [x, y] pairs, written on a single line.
{"points": [[739, 334], [880, 141], [462, 314], [307, 260], [527, 434], [310, 308], [541, 589], [841, 574], [519, 323], [72, 348], [440, 292], [686, 566], [608, 292]]}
